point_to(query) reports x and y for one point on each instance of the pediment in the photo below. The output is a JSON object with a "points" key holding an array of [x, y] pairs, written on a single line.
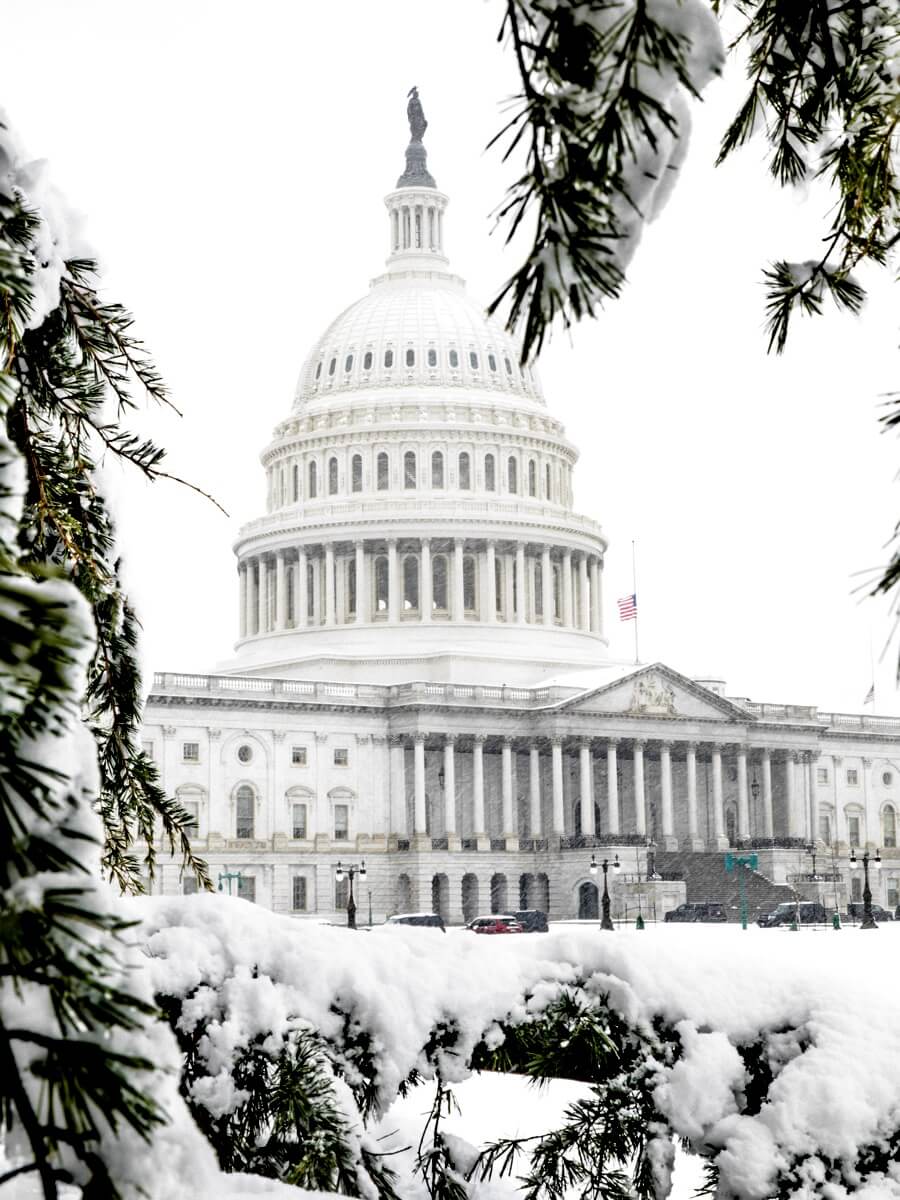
{"points": [[657, 693]]}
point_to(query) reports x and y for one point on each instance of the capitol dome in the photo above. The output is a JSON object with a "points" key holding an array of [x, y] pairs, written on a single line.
{"points": [[419, 520]]}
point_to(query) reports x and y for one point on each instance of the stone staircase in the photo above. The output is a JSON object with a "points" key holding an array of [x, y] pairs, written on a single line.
{"points": [[706, 879]]}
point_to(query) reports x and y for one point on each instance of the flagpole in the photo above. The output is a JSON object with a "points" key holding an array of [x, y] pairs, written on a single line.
{"points": [[634, 592]]}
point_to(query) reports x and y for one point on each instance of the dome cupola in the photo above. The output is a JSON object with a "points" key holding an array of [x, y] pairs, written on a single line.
{"points": [[419, 516]]}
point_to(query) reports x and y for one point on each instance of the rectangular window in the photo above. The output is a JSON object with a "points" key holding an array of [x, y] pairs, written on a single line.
{"points": [[893, 892], [298, 756], [188, 885], [190, 752], [853, 830], [341, 894], [247, 887], [298, 898], [192, 808], [821, 774], [341, 822], [852, 777], [298, 825], [147, 748], [341, 757]]}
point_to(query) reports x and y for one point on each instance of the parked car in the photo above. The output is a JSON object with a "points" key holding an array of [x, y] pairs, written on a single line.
{"points": [[429, 920], [698, 910], [532, 920], [496, 923], [807, 912], [855, 910]]}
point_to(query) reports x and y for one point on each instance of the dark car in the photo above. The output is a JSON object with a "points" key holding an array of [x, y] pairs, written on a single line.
{"points": [[496, 923], [532, 920], [806, 912], [703, 910], [856, 908], [429, 920]]}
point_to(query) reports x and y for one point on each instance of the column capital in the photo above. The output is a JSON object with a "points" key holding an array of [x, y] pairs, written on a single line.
{"points": [[639, 744], [507, 739], [665, 744], [836, 759], [320, 737], [379, 739], [867, 762], [557, 739], [420, 736], [450, 738], [612, 743], [689, 746], [397, 739], [479, 738]]}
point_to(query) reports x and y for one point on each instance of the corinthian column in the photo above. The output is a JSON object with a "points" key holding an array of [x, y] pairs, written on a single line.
{"points": [[694, 840], [420, 820], [743, 796], [546, 587], [559, 812], [478, 791], [450, 790], [489, 585], [425, 581], [534, 783], [280, 592], [584, 598], [262, 597], [768, 812], [587, 788], [718, 803], [242, 600], [668, 812], [393, 583], [521, 588], [612, 786], [640, 806]]}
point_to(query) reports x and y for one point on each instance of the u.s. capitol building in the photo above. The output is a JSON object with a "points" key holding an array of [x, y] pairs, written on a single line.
{"points": [[421, 678]]}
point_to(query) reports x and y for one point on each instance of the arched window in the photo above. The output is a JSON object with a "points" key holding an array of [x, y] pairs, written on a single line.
{"points": [[312, 480], [331, 366], [332, 476], [490, 477], [498, 584], [469, 584], [383, 472], [465, 471], [532, 477], [381, 584], [409, 469], [547, 482], [410, 583], [512, 475], [388, 358], [889, 825], [356, 473], [439, 583], [538, 588], [348, 362], [319, 370], [410, 357], [244, 806], [473, 360], [295, 479], [432, 358], [437, 469], [367, 361], [454, 359], [508, 366], [492, 362]]}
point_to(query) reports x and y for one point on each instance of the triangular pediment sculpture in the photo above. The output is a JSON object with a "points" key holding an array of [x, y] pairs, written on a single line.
{"points": [[657, 692]]}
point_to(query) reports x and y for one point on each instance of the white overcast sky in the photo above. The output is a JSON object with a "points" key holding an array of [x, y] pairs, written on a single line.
{"points": [[230, 160]]}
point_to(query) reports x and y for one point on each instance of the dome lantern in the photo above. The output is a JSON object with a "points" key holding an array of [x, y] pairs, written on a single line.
{"points": [[416, 207]]}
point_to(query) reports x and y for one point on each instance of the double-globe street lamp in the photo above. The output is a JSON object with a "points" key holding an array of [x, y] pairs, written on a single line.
{"points": [[352, 872], [606, 922], [229, 876], [868, 921]]}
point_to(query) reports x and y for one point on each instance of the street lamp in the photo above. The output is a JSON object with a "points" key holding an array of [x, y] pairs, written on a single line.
{"points": [[228, 876], [606, 922], [352, 872], [868, 921]]}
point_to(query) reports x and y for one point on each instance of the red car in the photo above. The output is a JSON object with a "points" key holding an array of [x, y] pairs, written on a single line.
{"points": [[497, 923]]}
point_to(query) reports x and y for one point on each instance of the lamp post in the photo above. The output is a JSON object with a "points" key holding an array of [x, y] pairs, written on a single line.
{"points": [[352, 872], [639, 923], [868, 921], [228, 876], [606, 922], [741, 863]]}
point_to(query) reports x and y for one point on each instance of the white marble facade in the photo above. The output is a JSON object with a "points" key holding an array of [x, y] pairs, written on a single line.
{"points": [[420, 677]]}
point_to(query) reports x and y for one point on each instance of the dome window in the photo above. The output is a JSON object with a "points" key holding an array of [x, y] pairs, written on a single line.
{"points": [[490, 477], [512, 475], [245, 753], [295, 479], [437, 469], [410, 358], [367, 361], [473, 360], [548, 481], [469, 588], [319, 369], [432, 358], [411, 583], [388, 358], [383, 472], [348, 362], [332, 476], [331, 366], [492, 362], [356, 473], [409, 469], [532, 477], [381, 584], [465, 471], [454, 359], [508, 366], [439, 578], [312, 480]]}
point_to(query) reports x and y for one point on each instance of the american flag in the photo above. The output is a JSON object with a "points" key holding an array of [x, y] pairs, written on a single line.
{"points": [[628, 607]]}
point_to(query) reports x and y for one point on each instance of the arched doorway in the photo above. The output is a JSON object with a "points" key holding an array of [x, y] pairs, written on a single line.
{"points": [[526, 890], [731, 826], [499, 894], [469, 897], [403, 894], [588, 901], [440, 896], [542, 893]]}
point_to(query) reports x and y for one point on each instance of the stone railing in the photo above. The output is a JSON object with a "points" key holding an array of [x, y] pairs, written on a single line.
{"points": [[806, 714]]}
